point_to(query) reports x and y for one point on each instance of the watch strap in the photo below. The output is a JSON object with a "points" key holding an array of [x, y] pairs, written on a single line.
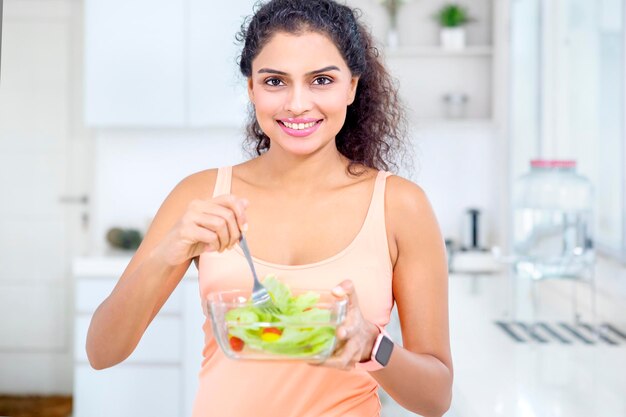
{"points": [[372, 364]]}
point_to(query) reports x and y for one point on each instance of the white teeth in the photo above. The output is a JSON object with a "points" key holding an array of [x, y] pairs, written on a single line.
{"points": [[299, 126]]}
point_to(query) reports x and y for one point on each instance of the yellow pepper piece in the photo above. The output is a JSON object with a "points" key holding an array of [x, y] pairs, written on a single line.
{"points": [[270, 337]]}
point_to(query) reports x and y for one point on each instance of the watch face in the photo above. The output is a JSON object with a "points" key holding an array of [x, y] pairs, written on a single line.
{"points": [[384, 351]]}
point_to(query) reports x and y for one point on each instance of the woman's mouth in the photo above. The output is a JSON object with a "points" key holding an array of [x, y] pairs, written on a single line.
{"points": [[299, 128]]}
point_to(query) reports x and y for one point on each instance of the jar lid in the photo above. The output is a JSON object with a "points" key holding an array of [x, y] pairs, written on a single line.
{"points": [[553, 163]]}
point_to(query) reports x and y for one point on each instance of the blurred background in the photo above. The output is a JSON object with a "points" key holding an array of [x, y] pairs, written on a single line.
{"points": [[106, 104]]}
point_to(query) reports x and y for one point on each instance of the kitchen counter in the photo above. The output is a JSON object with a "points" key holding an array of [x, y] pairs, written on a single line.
{"points": [[498, 376], [159, 378], [111, 266]]}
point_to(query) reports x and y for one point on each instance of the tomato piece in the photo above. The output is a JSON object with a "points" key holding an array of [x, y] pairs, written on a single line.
{"points": [[271, 334], [236, 343], [274, 330]]}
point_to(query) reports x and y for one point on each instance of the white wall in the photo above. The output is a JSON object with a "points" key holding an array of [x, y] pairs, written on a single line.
{"points": [[457, 167], [136, 169]]}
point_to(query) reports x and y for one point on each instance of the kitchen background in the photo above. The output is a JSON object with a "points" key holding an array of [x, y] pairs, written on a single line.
{"points": [[106, 105]]}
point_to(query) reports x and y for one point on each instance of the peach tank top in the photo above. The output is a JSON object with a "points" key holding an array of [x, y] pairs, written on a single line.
{"points": [[229, 388]]}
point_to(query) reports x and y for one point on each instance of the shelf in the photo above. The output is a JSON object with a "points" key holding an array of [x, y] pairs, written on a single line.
{"points": [[436, 51], [421, 124]]}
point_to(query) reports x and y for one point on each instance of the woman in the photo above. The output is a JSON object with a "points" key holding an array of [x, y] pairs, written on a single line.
{"points": [[319, 210]]}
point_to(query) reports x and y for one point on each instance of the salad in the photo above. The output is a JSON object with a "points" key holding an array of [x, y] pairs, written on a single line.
{"points": [[299, 328]]}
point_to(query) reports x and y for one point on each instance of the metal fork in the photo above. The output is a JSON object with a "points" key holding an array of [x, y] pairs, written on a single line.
{"points": [[260, 296]]}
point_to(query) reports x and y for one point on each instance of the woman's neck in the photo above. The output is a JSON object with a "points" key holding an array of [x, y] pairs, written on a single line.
{"points": [[301, 173]]}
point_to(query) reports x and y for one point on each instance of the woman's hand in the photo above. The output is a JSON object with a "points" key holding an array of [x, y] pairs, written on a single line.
{"points": [[356, 336], [207, 225]]}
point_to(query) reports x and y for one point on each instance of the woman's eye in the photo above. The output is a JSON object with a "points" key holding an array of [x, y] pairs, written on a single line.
{"points": [[322, 81], [273, 82]]}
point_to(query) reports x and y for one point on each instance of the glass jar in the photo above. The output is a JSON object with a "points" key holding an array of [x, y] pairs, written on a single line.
{"points": [[455, 105], [552, 233]]}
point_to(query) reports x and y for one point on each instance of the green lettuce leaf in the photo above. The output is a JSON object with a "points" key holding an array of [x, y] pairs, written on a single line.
{"points": [[304, 327]]}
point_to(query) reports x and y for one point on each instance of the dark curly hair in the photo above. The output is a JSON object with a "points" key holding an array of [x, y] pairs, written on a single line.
{"points": [[374, 131]]}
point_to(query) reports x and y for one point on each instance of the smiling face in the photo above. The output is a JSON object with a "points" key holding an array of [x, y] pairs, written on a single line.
{"points": [[300, 87]]}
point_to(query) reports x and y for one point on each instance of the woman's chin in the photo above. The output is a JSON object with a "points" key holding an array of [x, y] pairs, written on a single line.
{"points": [[302, 148]]}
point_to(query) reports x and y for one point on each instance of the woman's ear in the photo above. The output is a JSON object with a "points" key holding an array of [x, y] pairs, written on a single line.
{"points": [[250, 92], [354, 82]]}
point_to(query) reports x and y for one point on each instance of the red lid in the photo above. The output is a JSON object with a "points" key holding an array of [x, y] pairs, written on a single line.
{"points": [[552, 163]]}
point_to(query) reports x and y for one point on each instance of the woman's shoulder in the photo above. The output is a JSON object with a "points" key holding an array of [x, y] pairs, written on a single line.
{"points": [[404, 194], [407, 213], [406, 203], [196, 185]]}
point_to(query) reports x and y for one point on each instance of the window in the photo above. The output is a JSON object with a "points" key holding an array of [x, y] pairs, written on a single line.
{"points": [[567, 84]]}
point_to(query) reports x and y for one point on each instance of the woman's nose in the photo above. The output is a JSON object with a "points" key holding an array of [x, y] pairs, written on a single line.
{"points": [[298, 100]]}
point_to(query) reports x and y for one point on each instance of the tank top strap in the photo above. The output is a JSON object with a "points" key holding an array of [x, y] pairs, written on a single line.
{"points": [[378, 196], [374, 226], [223, 181]]}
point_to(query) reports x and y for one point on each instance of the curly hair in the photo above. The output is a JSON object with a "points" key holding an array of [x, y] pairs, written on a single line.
{"points": [[374, 132]]}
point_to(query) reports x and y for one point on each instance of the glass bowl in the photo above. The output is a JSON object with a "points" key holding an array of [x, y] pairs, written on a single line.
{"points": [[295, 333]]}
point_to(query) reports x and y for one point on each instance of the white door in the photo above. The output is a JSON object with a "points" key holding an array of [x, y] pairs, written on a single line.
{"points": [[42, 160]]}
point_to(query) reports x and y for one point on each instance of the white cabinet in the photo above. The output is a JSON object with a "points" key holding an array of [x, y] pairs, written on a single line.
{"points": [[160, 377], [134, 63], [192, 343], [217, 90], [155, 63], [474, 77], [427, 73], [128, 391], [161, 343]]}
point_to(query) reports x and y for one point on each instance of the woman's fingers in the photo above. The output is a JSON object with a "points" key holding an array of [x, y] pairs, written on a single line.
{"points": [[346, 289], [343, 333], [208, 238], [238, 207], [223, 222], [197, 219], [224, 216], [343, 358], [213, 224], [354, 335]]}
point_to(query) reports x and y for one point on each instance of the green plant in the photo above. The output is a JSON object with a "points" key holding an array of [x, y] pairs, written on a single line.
{"points": [[453, 15], [124, 238], [392, 7]]}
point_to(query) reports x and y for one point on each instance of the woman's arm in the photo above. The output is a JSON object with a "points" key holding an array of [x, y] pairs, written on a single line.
{"points": [[184, 227], [418, 375]]}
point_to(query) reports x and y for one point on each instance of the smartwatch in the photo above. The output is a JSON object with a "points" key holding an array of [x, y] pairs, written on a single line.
{"points": [[383, 346]]}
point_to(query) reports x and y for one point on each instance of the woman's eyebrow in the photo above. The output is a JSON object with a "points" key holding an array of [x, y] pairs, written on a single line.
{"points": [[273, 71]]}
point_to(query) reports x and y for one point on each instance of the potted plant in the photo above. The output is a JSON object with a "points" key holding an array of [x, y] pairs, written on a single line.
{"points": [[392, 7], [452, 19]]}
